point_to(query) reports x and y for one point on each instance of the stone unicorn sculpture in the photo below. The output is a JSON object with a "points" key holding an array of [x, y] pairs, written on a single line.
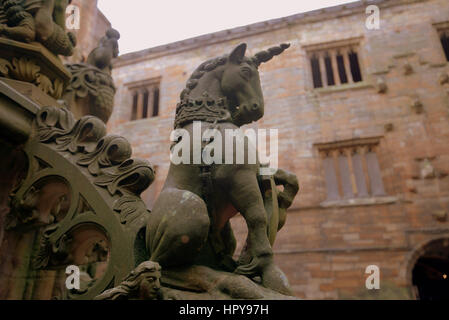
{"points": [[189, 224]]}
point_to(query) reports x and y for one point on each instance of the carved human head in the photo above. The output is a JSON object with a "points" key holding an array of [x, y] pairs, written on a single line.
{"points": [[146, 280]]}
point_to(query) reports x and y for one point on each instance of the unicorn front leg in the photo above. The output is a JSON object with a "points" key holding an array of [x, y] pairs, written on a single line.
{"points": [[245, 196]]}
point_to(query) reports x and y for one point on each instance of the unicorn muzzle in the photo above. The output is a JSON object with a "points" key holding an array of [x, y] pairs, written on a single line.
{"points": [[253, 111]]}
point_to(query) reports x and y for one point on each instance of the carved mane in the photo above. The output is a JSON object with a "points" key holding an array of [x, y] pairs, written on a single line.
{"points": [[203, 68], [212, 64]]}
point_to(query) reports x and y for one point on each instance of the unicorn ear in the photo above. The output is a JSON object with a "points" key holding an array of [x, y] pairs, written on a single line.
{"points": [[238, 54]]}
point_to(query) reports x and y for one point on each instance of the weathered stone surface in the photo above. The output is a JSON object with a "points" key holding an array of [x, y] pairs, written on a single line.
{"points": [[203, 283], [147, 282]]}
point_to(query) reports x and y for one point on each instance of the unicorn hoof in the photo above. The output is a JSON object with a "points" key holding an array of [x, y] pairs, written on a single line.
{"points": [[273, 278]]}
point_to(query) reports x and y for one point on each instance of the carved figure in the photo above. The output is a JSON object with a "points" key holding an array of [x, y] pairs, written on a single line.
{"points": [[26, 208], [190, 220], [38, 206], [101, 57], [143, 283], [91, 90], [37, 20]]}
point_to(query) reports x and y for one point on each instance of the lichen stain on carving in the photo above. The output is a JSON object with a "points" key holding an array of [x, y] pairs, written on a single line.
{"points": [[185, 239], [186, 196]]}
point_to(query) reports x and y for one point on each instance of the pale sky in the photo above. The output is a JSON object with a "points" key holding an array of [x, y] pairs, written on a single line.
{"points": [[149, 23]]}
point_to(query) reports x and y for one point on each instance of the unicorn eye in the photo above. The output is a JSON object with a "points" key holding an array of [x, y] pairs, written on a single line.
{"points": [[246, 73]]}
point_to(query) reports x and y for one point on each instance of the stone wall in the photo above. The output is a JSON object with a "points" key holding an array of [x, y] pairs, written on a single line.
{"points": [[324, 249]]}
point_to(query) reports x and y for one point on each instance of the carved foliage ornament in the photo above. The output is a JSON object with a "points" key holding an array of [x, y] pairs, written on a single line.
{"points": [[107, 158], [89, 80], [110, 151], [28, 70]]}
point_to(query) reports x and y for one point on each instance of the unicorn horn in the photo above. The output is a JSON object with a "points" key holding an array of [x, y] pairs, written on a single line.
{"points": [[267, 55]]}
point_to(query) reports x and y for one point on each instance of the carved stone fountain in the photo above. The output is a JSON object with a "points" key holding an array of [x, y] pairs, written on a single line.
{"points": [[70, 193]]}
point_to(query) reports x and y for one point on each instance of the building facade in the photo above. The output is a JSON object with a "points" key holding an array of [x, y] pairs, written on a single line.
{"points": [[363, 120]]}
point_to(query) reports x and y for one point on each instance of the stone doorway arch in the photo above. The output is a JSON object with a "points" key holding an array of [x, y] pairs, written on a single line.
{"points": [[428, 270]]}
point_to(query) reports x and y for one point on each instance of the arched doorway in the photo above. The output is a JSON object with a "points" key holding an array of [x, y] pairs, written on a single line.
{"points": [[430, 271]]}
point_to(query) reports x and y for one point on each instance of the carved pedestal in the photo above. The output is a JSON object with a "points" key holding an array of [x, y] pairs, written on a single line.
{"points": [[90, 92]]}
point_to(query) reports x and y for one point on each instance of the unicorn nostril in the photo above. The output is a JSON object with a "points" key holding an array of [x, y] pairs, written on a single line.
{"points": [[255, 106]]}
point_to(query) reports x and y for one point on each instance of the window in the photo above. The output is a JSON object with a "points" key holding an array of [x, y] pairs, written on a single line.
{"points": [[145, 99], [335, 64], [444, 37], [352, 169], [443, 33]]}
